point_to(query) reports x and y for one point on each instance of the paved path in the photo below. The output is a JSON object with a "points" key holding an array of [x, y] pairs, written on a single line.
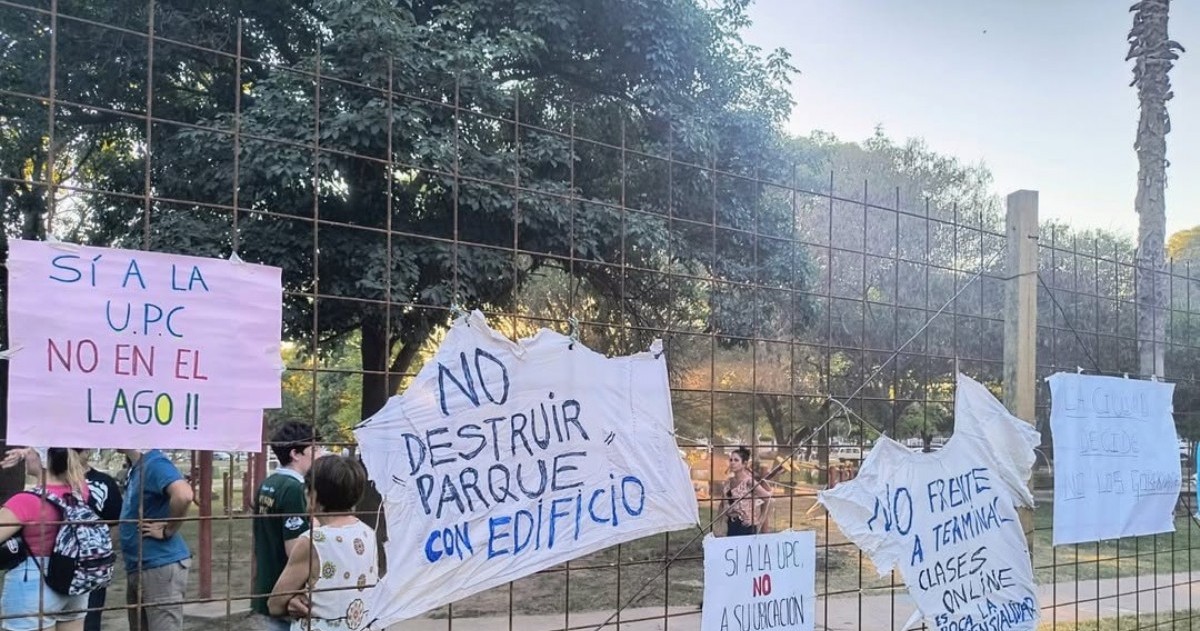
{"points": [[1086, 600]]}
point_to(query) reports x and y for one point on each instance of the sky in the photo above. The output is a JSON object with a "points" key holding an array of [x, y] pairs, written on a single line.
{"points": [[1037, 90]]}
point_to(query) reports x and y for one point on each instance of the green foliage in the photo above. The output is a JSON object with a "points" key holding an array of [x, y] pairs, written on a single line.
{"points": [[1184, 247], [919, 419], [414, 125], [325, 392], [1093, 313], [875, 303], [908, 175], [102, 77], [409, 140]]}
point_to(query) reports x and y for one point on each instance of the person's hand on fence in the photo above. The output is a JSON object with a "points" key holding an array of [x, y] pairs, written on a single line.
{"points": [[14, 457], [298, 606], [28, 455]]}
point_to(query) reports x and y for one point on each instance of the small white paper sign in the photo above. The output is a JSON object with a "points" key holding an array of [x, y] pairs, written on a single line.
{"points": [[1116, 457], [760, 582]]}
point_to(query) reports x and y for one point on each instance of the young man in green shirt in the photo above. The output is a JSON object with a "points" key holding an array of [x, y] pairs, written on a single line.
{"points": [[280, 516]]}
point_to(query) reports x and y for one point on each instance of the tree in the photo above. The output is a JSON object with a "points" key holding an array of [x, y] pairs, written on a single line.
{"points": [[812, 359], [701, 92], [1084, 322], [1184, 246], [1154, 53], [920, 419], [1182, 360], [1082, 302], [675, 76], [98, 140], [406, 102], [901, 183], [102, 78], [323, 391]]}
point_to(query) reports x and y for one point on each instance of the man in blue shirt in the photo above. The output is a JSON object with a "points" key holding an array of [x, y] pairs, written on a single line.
{"points": [[156, 556]]}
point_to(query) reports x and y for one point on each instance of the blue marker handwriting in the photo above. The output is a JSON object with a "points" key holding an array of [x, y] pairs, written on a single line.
{"points": [[953, 510], [554, 520], [138, 356]]}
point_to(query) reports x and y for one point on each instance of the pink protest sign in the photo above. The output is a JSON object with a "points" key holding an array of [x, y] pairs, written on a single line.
{"points": [[129, 349]]}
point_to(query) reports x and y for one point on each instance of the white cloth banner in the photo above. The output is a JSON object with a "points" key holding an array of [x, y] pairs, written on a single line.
{"points": [[948, 519], [503, 458], [760, 582], [1116, 457]]}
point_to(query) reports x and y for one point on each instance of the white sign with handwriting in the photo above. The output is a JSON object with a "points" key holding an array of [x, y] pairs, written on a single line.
{"points": [[760, 582], [948, 520], [1116, 457], [503, 458]]}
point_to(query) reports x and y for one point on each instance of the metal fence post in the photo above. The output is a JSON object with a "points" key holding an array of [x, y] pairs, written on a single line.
{"points": [[1020, 316], [206, 524]]}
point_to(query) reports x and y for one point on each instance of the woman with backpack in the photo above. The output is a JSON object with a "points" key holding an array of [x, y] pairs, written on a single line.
{"points": [[28, 602]]}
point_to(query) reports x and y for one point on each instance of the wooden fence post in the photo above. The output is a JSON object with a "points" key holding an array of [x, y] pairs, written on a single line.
{"points": [[1020, 317]]}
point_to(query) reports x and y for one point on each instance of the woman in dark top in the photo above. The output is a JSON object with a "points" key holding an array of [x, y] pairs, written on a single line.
{"points": [[745, 499], [104, 494]]}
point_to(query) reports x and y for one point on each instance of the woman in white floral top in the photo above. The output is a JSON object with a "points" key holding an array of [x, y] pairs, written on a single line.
{"points": [[331, 567]]}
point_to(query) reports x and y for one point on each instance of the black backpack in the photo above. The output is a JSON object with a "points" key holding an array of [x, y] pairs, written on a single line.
{"points": [[13, 552]]}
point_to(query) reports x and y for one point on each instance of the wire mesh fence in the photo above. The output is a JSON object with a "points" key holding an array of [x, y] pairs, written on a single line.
{"points": [[804, 311]]}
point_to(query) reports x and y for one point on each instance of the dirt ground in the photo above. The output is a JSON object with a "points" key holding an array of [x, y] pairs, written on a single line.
{"points": [[590, 583], [596, 582]]}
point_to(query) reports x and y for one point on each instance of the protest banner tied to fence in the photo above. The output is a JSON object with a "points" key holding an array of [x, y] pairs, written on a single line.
{"points": [[948, 521], [503, 458], [760, 582], [1116, 457], [130, 349]]}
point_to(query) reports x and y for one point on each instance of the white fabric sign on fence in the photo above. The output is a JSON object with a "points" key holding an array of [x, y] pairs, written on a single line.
{"points": [[948, 519], [504, 458], [1116, 457], [760, 582]]}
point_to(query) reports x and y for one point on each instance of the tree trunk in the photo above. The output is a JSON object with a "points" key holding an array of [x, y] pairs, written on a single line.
{"points": [[381, 378], [774, 410], [823, 446], [1153, 52], [375, 352]]}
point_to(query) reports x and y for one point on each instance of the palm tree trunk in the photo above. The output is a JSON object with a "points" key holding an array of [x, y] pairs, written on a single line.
{"points": [[1154, 54]]}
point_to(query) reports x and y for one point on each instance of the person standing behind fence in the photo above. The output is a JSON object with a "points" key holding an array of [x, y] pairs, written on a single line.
{"points": [[744, 498], [280, 509], [156, 556], [105, 498], [336, 560], [27, 602]]}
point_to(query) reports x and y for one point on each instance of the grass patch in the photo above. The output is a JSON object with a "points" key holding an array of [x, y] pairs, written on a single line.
{"points": [[1155, 554], [1178, 621]]}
